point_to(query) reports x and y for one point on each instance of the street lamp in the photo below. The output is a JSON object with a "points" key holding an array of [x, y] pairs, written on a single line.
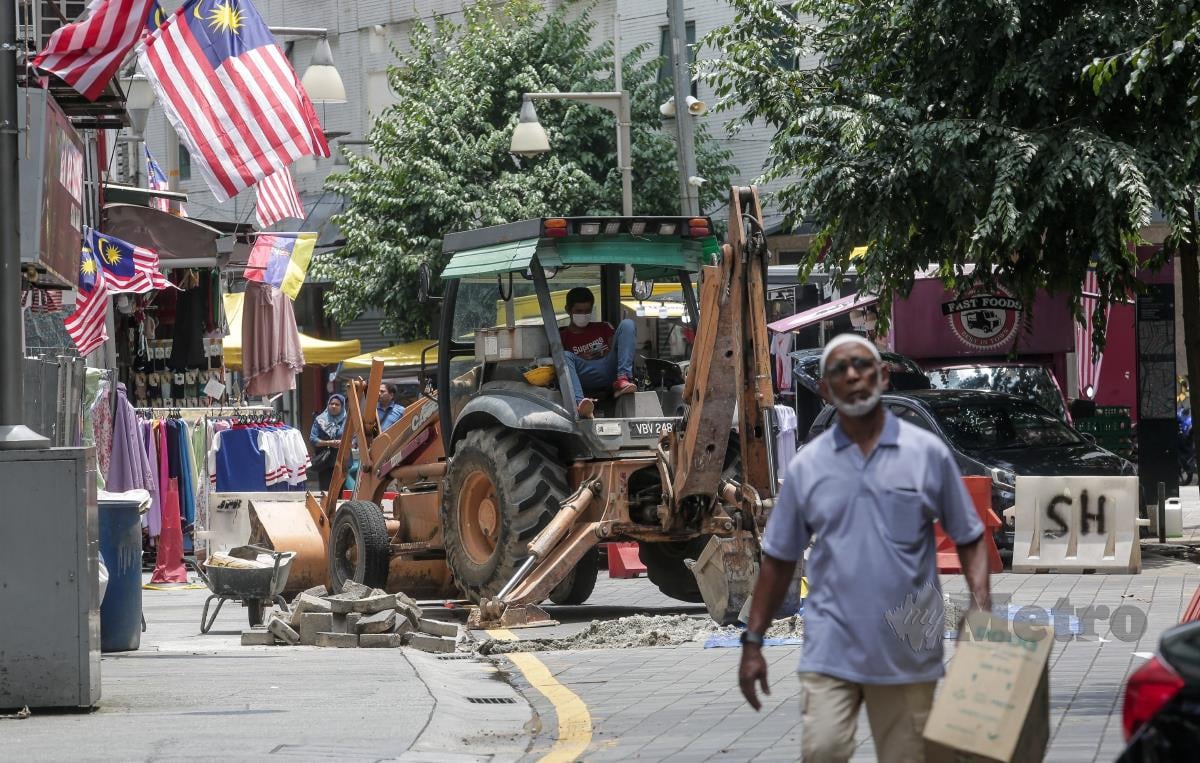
{"points": [[529, 138], [321, 80]]}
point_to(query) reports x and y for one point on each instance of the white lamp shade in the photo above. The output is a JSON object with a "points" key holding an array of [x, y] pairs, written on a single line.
{"points": [[529, 137], [139, 94], [321, 80]]}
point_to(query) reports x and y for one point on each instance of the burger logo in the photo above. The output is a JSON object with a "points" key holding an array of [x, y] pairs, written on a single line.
{"points": [[984, 320]]}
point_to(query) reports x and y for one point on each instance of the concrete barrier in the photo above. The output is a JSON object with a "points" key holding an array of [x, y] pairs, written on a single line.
{"points": [[1076, 524]]}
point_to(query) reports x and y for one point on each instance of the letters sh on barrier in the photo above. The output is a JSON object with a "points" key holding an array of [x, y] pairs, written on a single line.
{"points": [[1077, 523]]}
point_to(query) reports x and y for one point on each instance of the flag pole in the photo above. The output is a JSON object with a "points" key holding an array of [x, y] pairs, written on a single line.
{"points": [[13, 434]]}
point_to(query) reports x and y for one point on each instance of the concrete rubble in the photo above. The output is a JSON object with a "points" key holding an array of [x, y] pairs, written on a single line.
{"points": [[357, 617]]}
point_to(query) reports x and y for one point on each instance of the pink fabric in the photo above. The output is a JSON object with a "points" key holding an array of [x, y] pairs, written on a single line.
{"points": [[271, 354], [168, 566]]}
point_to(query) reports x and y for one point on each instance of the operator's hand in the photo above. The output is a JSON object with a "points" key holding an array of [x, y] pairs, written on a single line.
{"points": [[590, 354], [753, 669]]}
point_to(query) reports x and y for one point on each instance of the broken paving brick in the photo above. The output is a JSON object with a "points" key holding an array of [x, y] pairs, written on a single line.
{"points": [[312, 623], [380, 622], [280, 627], [258, 637], [318, 591], [337, 640], [438, 627], [380, 640], [367, 606], [303, 604], [430, 643], [357, 590], [403, 625]]}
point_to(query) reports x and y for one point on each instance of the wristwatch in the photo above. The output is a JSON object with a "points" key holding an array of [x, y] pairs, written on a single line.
{"points": [[750, 637]]}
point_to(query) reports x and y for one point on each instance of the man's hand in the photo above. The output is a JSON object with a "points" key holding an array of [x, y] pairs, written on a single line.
{"points": [[590, 354], [753, 670]]}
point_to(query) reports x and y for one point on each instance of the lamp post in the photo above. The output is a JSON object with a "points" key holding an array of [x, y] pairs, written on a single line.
{"points": [[529, 138]]}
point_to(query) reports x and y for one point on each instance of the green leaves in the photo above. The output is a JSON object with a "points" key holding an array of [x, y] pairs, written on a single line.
{"points": [[995, 135], [439, 160]]}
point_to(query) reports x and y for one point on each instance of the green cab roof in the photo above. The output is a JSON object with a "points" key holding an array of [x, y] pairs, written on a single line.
{"points": [[654, 246]]}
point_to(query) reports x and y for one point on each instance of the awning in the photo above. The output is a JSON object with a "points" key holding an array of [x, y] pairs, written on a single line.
{"points": [[175, 238], [407, 354], [650, 256], [317, 352], [825, 312]]}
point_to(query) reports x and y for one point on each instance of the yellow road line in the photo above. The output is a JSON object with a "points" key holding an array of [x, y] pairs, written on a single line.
{"points": [[574, 721]]}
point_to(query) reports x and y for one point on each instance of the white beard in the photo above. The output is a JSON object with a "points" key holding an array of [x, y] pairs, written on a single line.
{"points": [[859, 407]]}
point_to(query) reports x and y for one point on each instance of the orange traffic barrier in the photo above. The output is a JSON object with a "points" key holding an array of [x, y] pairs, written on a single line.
{"points": [[623, 561], [980, 489], [1192, 613]]}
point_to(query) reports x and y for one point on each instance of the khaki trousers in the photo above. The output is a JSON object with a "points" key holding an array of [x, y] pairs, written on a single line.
{"points": [[897, 714]]}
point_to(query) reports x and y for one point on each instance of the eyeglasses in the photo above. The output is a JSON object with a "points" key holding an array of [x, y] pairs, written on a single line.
{"points": [[860, 364]]}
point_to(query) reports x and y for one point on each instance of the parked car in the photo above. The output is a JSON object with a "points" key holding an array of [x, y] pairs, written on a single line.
{"points": [[997, 435], [1028, 380], [1161, 714]]}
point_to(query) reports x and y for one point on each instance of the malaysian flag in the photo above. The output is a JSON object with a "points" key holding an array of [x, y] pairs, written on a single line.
{"points": [[158, 182], [128, 269], [86, 54], [230, 93], [86, 324], [1088, 370], [276, 199]]}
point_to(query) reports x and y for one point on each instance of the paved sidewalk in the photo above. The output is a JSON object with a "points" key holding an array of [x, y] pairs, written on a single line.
{"points": [[184, 697], [682, 703]]}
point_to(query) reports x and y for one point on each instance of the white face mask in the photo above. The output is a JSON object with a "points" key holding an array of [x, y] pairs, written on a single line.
{"points": [[858, 407], [581, 319]]}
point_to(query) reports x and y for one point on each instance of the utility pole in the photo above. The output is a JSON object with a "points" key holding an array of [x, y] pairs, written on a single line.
{"points": [[684, 126], [13, 434]]}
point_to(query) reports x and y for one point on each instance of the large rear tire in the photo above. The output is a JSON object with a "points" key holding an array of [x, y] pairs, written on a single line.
{"points": [[665, 567], [578, 586], [502, 488], [359, 548]]}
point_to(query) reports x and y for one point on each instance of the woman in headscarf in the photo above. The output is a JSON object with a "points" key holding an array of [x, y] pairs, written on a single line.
{"points": [[326, 436]]}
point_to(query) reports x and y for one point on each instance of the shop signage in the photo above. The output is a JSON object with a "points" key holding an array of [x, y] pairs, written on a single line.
{"points": [[984, 319]]}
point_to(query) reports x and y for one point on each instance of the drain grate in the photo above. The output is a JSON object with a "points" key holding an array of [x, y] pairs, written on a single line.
{"points": [[456, 656], [492, 700]]}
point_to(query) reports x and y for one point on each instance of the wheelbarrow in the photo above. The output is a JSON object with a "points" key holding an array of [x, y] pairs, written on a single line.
{"points": [[256, 589]]}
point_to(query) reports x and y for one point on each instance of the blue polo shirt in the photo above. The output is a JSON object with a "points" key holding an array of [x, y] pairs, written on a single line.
{"points": [[874, 612]]}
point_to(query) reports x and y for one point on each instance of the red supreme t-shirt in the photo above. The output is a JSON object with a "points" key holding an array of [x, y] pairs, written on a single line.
{"points": [[596, 338]]}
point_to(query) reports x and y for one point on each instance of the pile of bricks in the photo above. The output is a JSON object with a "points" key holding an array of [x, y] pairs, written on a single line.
{"points": [[357, 617]]}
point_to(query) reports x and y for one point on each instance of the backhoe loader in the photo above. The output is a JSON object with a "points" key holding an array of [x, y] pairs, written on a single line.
{"points": [[500, 490]]}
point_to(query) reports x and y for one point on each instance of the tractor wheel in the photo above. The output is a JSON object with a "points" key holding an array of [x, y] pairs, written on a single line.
{"points": [[359, 549], [665, 567], [578, 586], [502, 488]]}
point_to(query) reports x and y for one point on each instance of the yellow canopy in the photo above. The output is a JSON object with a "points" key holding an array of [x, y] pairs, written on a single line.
{"points": [[319, 352], [407, 354], [654, 309]]}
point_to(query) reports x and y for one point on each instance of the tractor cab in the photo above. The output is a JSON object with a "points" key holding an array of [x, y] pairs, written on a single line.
{"points": [[505, 307]]}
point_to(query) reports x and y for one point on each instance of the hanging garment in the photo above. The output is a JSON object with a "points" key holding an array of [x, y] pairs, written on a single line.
{"points": [[781, 348], [168, 566], [152, 518], [191, 316], [129, 467], [271, 354], [187, 480], [238, 462], [101, 416], [785, 441]]}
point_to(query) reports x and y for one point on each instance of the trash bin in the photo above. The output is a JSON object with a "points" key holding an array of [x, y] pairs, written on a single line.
{"points": [[121, 547]]}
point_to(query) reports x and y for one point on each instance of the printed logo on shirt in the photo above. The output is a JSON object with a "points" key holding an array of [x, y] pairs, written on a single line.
{"points": [[597, 345]]}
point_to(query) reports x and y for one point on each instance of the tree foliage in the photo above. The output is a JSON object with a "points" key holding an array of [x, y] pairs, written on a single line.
{"points": [[439, 159], [951, 133]]}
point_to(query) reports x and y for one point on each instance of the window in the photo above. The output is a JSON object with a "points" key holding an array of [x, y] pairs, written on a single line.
{"points": [[185, 163], [911, 415], [665, 73]]}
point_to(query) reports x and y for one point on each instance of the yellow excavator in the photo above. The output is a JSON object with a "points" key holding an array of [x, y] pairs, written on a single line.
{"points": [[491, 486]]}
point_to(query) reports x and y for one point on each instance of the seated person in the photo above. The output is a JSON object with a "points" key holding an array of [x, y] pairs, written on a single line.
{"points": [[596, 356]]}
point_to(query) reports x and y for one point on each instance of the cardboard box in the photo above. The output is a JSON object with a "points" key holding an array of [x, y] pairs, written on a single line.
{"points": [[994, 704]]}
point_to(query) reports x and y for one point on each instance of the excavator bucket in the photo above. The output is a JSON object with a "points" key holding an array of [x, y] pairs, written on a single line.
{"points": [[517, 616], [726, 572]]}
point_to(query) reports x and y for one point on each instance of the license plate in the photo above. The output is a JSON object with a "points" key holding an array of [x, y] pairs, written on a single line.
{"points": [[646, 430]]}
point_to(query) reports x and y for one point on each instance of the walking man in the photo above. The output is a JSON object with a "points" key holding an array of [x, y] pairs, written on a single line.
{"points": [[866, 493]]}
